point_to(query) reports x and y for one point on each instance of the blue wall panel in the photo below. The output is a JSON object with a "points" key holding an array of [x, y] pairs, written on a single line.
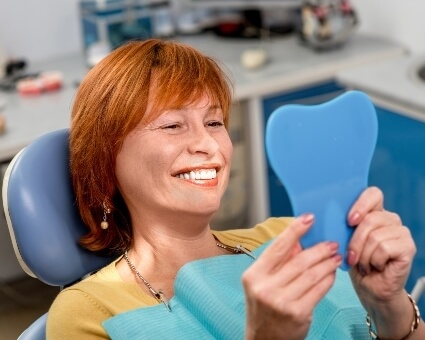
{"points": [[398, 168]]}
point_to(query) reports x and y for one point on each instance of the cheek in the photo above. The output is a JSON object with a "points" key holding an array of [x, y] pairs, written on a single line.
{"points": [[226, 148], [124, 168], [132, 165], [144, 162], [136, 177]]}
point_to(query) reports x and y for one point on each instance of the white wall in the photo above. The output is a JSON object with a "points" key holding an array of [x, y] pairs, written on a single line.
{"points": [[401, 21], [40, 29]]}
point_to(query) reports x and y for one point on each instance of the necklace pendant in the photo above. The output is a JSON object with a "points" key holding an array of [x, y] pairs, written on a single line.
{"points": [[161, 297], [246, 251]]}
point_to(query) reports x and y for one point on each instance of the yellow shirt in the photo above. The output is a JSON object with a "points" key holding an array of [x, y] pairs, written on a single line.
{"points": [[78, 311]]}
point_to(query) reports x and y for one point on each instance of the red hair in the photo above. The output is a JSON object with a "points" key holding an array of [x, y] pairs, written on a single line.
{"points": [[110, 102]]}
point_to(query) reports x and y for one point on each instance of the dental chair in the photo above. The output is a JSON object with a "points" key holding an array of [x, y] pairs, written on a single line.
{"points": [[43, 221]]}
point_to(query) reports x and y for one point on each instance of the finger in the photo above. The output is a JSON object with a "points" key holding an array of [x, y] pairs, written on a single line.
{"points": [[372, 221], [390, 245], [284, 246], [377, 239], [298, 265], [369, 200], [317, 292], [307, 297], [261, 285], [284, 294]]}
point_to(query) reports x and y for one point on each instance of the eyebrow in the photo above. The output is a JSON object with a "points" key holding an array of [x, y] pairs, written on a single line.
{"points": [[215, 107], [185, 108]]}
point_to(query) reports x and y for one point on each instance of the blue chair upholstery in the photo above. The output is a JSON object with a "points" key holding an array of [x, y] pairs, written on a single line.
{"points": [[43, 221], [37, 330]]}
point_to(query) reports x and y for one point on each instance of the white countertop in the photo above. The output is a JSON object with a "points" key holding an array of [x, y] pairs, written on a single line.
{"points": [[32, 116], [393, 81], [290, 65]]}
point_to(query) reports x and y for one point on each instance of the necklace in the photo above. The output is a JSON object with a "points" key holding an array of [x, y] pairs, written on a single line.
{"points": [[237, 250], [159, 294]]}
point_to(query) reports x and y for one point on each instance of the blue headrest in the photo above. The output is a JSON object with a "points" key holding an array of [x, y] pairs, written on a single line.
{"points": [[41, 213]]}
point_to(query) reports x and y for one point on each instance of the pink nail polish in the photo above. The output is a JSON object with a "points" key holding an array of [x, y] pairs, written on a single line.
{"points": [[307, 218], [351, 257], [355, 218], [333, 246]]}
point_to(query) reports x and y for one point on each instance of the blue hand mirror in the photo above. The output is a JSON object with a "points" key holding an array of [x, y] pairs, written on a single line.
{"points": [[322, 154]]}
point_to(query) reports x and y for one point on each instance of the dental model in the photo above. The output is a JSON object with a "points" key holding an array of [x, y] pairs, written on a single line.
{"points": [[45, 82]]}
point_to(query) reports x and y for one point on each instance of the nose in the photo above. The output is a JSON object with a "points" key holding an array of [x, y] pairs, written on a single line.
{"points": [[202, 141]]}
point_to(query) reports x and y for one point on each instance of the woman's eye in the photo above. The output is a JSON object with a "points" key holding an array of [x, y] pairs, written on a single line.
{"points": [[215, 123], [171, 126]]}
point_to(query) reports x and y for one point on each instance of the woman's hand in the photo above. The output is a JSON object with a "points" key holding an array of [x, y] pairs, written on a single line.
{"points": [[285, 284], [381, 253], [381, 249]]}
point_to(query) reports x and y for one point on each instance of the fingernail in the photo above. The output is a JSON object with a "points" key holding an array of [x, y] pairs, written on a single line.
{"points": [[337, 258], [307, 218], [354, 218], [333, 246], [351, 257]]}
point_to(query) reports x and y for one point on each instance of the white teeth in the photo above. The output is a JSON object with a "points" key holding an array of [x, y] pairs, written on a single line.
{"points": [[200, 174]]}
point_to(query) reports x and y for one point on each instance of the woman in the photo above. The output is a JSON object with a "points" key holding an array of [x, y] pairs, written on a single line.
{"points": [[150, 161]]}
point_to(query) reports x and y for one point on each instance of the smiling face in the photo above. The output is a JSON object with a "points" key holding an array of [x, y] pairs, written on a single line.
{"points": [[115, 118], [179, 162]]}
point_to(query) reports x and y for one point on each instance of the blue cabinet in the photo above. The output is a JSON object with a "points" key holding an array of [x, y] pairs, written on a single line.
{"points": [[398, 168], [315, 94]]}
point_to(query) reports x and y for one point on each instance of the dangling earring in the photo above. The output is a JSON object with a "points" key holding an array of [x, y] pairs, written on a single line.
{"points": [[104, 224]]}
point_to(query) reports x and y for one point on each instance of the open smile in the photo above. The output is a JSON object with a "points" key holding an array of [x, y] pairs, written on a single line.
{"points": [[198, 174]]}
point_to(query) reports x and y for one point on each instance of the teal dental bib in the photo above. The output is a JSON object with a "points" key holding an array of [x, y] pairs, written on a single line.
{"points": [[209, 303]]}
